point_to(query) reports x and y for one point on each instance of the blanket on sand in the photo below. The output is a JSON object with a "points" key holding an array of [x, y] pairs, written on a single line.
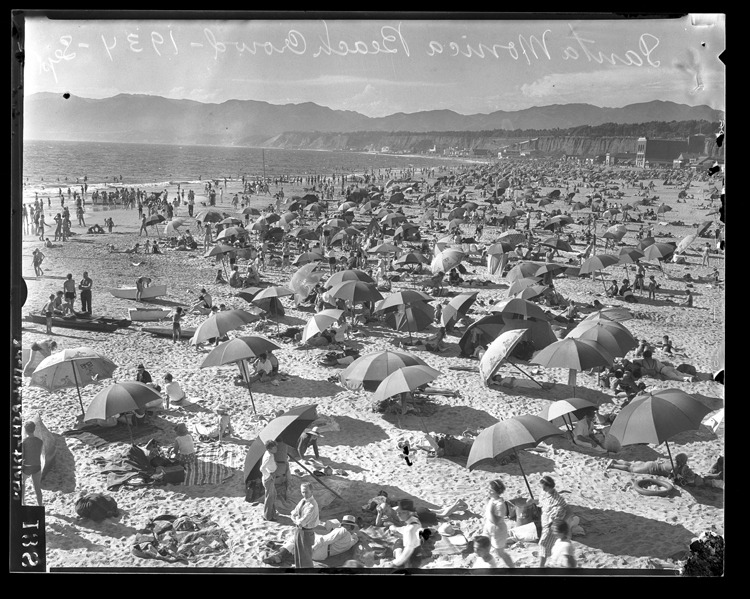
{"points": [[179, 539], [213, 464], [98, 436]]}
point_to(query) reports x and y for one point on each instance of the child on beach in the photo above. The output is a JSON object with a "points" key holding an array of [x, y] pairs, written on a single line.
{"points": [[49, 310], [176, 324], [563, 552], [652, 285], [484, 559], [495, 512]]}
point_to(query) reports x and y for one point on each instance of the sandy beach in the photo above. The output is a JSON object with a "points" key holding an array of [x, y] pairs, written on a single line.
{"points": [[619, 528]]}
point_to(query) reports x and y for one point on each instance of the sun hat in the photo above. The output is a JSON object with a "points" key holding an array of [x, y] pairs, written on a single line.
{"points": [[348, 519], [314, 431], [222, 409], [547, 480], [140, 367]]}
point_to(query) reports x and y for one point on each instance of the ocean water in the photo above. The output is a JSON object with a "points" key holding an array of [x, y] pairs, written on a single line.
{"points": [[49, 165]]}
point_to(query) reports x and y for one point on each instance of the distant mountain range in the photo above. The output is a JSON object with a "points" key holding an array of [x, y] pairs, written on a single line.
{"points": [[153, 119]]}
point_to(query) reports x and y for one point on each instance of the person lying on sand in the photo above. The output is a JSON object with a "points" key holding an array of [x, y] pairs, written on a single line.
{"points": [[134, 249], [660, 467], [335, 539], [652, 367]]}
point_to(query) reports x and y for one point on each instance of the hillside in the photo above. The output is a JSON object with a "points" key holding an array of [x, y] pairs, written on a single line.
{"points": [[153, 119]]}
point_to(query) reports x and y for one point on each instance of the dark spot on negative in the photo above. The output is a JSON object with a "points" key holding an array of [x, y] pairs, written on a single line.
{"points": [[66, 95]]}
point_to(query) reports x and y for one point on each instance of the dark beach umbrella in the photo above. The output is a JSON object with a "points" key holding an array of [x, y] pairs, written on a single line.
{"points": [[286, 428], [658, 416], [402, 298], [120, 398], [369, 370], [411, 317], [307, 258], [520, 284], [616, 313], [644, 243], [518, 307], [658, 251], [457, 308], [508, 437], [522, 270], [412, 258], [350, 274], [210, 215], [355, 292], [251, 211], [557, 244], [528, 293], [220, 323]]}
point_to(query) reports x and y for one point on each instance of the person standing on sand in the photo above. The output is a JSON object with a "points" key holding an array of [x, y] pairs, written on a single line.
{"points": [[207, 238], [176, 320], [553, 506], [495, 528], [143, 228], [32, 447], [37, 259], [706, 254], [563, 553], [305, 516], [49, 310], [85, 288], [267, 471], [69, 287]]}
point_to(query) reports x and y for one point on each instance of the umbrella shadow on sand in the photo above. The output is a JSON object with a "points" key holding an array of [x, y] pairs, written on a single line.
{"points": [[62, 473], [453, 420], [353, 433], [531, 462], [110, 527], [295, 386], [605, 530]]}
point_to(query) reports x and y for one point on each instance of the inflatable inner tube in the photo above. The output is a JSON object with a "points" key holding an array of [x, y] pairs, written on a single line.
{"points": [[653, 486]]}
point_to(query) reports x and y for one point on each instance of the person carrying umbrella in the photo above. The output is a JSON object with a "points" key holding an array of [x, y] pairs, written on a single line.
{"points": [[553, 506]]}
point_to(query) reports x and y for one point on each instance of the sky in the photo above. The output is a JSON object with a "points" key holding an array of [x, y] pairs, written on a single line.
{"points": [[383, 66]]}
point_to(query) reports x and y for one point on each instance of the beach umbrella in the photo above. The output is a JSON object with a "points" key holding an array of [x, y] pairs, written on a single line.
{"points": [[528, 293], [336, 223], [230, 220], [369, 206], [445, 260], [630, 255], [126, 396], [397, 198], [315, 208], [286, 428], [516, 212], [598, 263], [557, 222], [663, 208], [411, 258], [303, 233], [455, 223], [307, 258], [410, 317], [685, 243], [658, 251], [544, 202], [520, 284], [508, 437], [402, 298], [350, 274], [493, 325], [355, 292], [501, 247], [309, 198], [219, 250], [405, 380], [287, 218], [657, 416], [269, 219], [231, 231], [578, 206], [614, 336], [407, 230], [384, 248], [319, 322], [515, 306], [573, 407], [220, 323], [616, 232], [497, 351], [522, 270], [154, 219], [210, 215], [551, 269], [614, 313], [393, 219], [69, 368], [456, 213], [346, 205], [238, 351], [557, 244], [250, 211], [273, 291], [304, 280], [171, 228], [294, 204], [457, 308], [368, 371], [512, 237], [575, 355], [644, 243]]}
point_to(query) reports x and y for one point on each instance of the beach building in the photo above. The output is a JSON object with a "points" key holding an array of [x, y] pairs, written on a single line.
{"points": [[664, 152]]}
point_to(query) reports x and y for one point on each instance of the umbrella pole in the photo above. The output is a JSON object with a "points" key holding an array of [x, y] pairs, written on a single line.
{"points": [[249, 385], [318, 480], [518, 459], [670, 455], [569, 426], [80, 401], [526, 373]]}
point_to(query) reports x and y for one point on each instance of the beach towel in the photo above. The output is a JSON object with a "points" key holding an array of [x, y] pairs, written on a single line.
{"points": [[98, 436], [179, 539], [213, 465]]}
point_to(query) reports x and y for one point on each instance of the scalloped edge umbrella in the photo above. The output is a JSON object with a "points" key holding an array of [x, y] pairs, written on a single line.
{"points": [[355, 292], [320, 321], [445, 260], [570, 407], [614, 336], [509, 436], [83, 364]]}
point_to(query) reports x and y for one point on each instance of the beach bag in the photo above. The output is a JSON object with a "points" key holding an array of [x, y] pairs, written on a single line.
{"points": [[525, 532], [96, 506], [687, 369]]}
